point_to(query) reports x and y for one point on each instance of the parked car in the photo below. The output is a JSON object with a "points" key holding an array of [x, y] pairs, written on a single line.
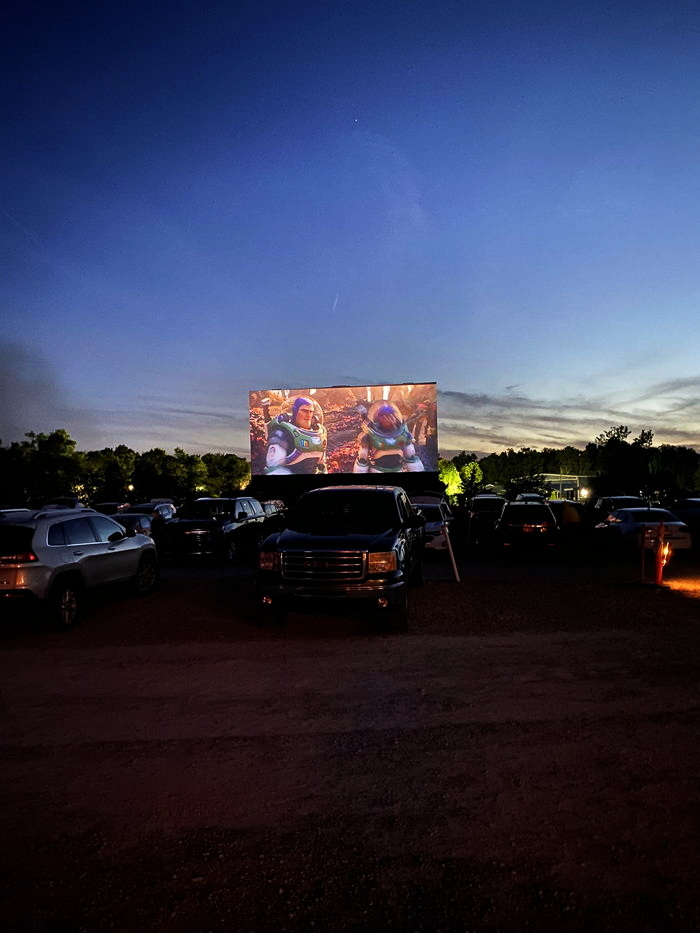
{"points": [[634, 528], [344, 542], [572, 520], [529, 524], [51, 557], [65, 502], [481, 514], [604, 505], [110, 508], [437, 523], [688, 510], [275, 511], [419, 499], [217, 527], [134, 521], [160, 513], [529, 497]]}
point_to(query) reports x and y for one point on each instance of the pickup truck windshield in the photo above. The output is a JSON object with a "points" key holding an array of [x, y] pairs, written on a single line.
{"points": [[340, 513]]}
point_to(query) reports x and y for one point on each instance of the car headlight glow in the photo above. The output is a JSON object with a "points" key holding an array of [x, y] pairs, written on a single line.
{"points": [[269, 560], [382, 562]]}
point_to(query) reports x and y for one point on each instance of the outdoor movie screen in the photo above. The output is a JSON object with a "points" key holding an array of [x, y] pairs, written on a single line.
{"points": [[344, 429]]}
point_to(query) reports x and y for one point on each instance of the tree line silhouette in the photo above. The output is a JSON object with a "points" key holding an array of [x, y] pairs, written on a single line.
{"points": [[47, 465], [612, 463]]}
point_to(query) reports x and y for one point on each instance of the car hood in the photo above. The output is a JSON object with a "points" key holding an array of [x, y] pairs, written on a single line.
{"points": [[352, 541]]}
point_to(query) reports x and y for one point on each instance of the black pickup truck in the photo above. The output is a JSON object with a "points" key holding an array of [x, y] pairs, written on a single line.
{"points": [[344, 543]]}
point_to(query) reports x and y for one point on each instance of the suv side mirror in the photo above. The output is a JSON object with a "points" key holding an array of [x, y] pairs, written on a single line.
{"points": [[241, 516], [416, 521], [119, 536]]}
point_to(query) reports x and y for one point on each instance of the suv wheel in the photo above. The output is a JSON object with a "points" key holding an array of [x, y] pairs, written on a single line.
{"points": [[65, 603], [232, 549], [146, 576]]}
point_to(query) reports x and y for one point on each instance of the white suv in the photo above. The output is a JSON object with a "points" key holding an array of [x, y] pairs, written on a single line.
{"points": [[52, 556]]}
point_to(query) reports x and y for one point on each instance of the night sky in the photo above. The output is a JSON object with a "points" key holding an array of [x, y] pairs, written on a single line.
{"points": [[199, 199]]}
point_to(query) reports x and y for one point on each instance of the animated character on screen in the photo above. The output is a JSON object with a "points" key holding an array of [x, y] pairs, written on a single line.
{"points": [[386, 444], [296, 437]]}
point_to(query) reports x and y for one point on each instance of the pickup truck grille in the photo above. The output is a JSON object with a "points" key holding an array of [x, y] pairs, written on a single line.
{"points": [[323, 567]]}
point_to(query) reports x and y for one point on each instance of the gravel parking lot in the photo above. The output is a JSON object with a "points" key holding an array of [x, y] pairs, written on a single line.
{"points": [[525, 758]]}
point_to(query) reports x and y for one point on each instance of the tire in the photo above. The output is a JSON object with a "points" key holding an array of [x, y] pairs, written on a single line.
{"points": [[418, 578], [394, 618], [231, 549], [65, 604], [272, 615], [147, 575]]}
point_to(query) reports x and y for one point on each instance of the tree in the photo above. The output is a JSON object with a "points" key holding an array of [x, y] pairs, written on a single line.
{"points": [[52, 466], [152, 475], [109, 473], [462, 459], [449, 476], [573, 461], [226, 473], [620, 433], [188, 474], [472, 477], [644, 439], [673, 471]]}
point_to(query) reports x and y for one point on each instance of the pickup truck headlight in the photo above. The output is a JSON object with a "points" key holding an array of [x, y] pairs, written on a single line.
{"points": [[269, 560], [382, 562]]}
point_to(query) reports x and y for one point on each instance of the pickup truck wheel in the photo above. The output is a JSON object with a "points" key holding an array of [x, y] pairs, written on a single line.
{"points": [[398, 613], [272, 615], [418, 573], [64, 604], [394, 618]]}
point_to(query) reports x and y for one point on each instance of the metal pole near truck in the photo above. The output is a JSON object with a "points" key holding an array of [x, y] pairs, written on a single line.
{"points": [[449, 548]]}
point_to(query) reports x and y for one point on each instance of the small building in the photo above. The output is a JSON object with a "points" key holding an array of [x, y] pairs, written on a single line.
{"points": [[566, 485]]}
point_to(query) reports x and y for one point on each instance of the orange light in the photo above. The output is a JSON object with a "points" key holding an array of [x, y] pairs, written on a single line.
{"points": [[665, 553]]}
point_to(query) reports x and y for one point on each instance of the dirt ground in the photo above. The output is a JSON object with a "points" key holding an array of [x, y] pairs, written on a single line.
{"points": [[526, 758]]}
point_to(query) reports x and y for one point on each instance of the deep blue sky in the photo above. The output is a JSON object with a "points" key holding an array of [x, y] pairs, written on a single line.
{"points": [[199, 199]]}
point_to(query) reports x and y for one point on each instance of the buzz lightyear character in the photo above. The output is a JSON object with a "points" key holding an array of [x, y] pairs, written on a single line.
{"points": [[386, 444], [297, 439]]}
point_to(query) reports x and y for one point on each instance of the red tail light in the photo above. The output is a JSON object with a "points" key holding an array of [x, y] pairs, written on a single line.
{"points": [[23, 557]]}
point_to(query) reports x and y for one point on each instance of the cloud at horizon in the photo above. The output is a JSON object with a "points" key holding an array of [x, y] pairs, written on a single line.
{"points": [[34, 399]]}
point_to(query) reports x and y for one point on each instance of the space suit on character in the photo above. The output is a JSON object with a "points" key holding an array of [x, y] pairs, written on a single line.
{"points": [[296, 438], [386, 444]]}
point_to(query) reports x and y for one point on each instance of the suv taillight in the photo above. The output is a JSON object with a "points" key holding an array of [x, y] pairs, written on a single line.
{"points": [[23, 557]]}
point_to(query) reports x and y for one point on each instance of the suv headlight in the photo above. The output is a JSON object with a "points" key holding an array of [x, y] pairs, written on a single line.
{"points": [[269, 560], [382, 562]]}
